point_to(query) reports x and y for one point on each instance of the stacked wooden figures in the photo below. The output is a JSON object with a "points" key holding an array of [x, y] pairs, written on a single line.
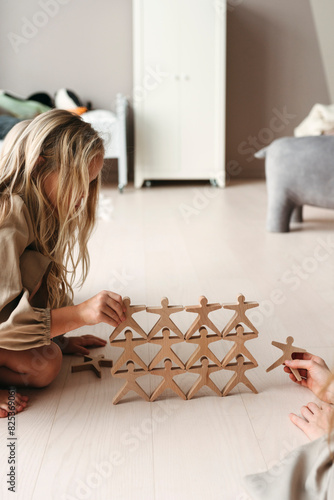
{"points": [[165, 333]]}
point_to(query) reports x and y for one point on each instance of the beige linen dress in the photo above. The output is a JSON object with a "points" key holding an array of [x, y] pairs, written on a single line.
{"points": [[23, 325]]}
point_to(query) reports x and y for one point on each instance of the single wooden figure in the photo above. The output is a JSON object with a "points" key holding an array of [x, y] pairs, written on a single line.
{"points": [[166, 350], [239, 377], [131, 374], [204, 377], [239, 338], [91, 363], [164, 321], [203, 311], [128, 344], [288, 349], [167, 383], [203, 349], [240, 315], [129, 321]]}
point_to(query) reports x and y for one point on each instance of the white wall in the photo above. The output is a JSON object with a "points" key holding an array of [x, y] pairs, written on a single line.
{"points": [[323, 13], [83, 45]]}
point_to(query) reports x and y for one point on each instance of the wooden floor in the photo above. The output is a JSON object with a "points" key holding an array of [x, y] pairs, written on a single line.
{"points": [[182, 242]]}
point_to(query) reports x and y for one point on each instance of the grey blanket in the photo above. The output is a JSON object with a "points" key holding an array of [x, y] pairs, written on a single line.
{"points": [[307, 473], [6, 123]]}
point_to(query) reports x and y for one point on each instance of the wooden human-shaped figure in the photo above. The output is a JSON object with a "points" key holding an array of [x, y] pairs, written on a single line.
{"points": [[240, 315], [203, 311], [131, 384], [166, 351], [164, 321], [203, 349], [288, 349], [94, 364], [239, 377], [129, 321], [128, 344], [204, 377], [167, 383], [239, 338]]}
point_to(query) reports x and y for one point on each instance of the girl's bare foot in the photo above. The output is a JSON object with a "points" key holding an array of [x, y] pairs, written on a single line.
{"points": [[317, 419], [5, 402]]}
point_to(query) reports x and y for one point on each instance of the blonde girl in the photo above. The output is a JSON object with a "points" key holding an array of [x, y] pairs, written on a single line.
{"points": [[49, 182]]}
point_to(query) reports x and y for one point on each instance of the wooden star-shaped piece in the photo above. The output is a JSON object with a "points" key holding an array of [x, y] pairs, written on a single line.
{"points": [[94, 364]]}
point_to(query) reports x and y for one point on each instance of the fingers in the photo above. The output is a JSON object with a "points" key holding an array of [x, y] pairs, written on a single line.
{"points": [[314, 408], [91, 340], [299, 422], [115, 303], [307, 413], [303, 374], [302, 355], [108, 311], [299, 363], [80, 349]]}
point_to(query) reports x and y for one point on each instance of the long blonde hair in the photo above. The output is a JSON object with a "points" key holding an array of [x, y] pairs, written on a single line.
{"points": [[56, 141]]}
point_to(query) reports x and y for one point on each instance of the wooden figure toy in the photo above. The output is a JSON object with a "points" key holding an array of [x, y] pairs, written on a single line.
{"points": [[91, 363], [240, 315], [129, 321], [203, 311], [239, 340], [130, 385], [288, 349], [167, 383], [203, 349], [164, 321], [204, 377], [166, 350], [239, 377], [128, 344]]}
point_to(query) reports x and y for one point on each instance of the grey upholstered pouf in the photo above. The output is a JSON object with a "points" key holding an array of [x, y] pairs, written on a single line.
{"points": [[299, 171]]}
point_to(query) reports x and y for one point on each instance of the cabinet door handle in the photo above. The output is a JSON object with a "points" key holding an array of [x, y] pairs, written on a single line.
{"points": [[176, 77], [185, 76]]}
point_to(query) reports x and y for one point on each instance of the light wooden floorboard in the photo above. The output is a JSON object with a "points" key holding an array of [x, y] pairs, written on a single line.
{"points": [[183, 242]]}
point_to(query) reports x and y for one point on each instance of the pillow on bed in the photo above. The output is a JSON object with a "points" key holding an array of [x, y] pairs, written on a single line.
{"points": [[21, 108], [4, 111]]}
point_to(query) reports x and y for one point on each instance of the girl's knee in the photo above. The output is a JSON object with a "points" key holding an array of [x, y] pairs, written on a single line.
{"points": [[46, 364]]}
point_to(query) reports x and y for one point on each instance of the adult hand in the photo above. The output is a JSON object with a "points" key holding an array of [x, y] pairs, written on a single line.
{"points": [[316, 375]]}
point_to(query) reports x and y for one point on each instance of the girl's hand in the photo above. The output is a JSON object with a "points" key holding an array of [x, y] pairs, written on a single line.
{"points": [[315, 373], [77, 345], [105, 307]]}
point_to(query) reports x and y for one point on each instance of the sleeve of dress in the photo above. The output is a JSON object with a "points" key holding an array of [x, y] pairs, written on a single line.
{"points": [[21, 325]]}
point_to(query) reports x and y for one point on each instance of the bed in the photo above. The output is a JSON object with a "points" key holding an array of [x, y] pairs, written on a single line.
{"points": [[112, 127]]}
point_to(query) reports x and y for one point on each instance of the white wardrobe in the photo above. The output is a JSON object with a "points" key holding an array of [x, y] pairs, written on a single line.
{"points": [[179, 90]]}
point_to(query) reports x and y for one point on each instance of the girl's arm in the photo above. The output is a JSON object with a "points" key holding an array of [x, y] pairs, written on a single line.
{"points": [[105, 307]]}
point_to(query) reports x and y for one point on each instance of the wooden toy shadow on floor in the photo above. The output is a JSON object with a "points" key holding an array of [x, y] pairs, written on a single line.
{"points": [[288, 349], [94, 364]]}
